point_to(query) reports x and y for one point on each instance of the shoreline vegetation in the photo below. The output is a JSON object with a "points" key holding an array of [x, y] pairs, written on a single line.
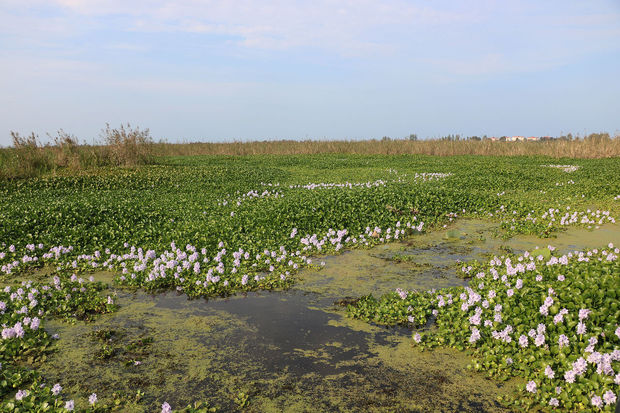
{"points": [[129, 146]]}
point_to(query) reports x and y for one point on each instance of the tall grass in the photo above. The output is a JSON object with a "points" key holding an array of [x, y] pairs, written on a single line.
{"points": [[127, 146], [594, 146], [124, 146]]}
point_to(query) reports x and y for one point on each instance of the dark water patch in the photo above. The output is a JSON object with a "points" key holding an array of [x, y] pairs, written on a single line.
{"points": [[275, 347]]}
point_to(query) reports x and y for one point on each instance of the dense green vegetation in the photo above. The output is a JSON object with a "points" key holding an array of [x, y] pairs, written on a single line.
{"points": [[181, 201], [212, 226]]}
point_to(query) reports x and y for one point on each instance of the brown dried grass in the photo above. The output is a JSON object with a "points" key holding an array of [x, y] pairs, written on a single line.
{"points": [[590, 147]]}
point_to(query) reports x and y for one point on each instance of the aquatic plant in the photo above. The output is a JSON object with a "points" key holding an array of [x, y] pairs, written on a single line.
{"points": [[548, 318], [216, 226]]}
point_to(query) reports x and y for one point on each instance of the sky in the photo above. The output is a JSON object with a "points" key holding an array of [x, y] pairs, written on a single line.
{"points": [[222, 70]]}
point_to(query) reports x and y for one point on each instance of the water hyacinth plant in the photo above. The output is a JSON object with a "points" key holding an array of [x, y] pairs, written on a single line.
{"points": [[216, 226], [551, 320]]}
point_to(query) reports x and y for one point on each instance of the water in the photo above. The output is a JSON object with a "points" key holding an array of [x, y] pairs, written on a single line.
{"points": [[295, 350]]}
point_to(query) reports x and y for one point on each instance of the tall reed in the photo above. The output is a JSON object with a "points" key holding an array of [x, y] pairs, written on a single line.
{"points": [[590, 147]]}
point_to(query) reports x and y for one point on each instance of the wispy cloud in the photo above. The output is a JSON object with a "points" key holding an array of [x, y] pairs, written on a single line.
{"points": [[314, 59]]}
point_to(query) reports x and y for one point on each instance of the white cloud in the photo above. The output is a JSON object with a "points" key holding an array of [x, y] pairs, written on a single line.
{"points": [[346, 27], [472, 38]]}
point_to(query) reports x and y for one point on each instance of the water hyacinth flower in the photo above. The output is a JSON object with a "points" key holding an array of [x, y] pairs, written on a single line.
{"points": [[580, 366], [417, 338], [70, 405], [21, 394], [581, 328], [549, 372], [569, 376], [539, 340], [609, 397], [165, 408], [554, 402], [563, 340], [531, 386], [56, 389], [597, 401], [92, 399], [475, 335], [402, 293]]}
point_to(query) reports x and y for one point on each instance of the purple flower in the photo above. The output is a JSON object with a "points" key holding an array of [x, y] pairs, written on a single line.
{"points": [[92, 399], [580, 366], [18, 329], [21, 394], [583, 313], [56, 389], [69, 405], [609, 397], [523, 341], [531, 386], [475, 335], [581, 328], [549, 372], [165, 408], [402, 293], [554, 402], [539, 340], [597, 401], [563, 341], [417, 338]]}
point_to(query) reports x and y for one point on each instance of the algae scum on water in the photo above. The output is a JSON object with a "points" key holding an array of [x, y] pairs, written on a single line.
{"points": [[288, 350]]}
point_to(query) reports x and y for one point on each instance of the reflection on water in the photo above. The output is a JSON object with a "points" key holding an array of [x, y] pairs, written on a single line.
{"points": [[294, 350]]}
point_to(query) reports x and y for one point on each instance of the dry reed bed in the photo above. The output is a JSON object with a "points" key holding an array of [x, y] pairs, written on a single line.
{"points": [[588, 148], [130, 147]]}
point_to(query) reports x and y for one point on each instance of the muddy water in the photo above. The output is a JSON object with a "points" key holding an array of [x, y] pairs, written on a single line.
{"points": [[293, 350]]}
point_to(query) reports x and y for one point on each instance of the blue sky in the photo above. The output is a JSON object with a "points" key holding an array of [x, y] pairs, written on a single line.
{"points": [[218, 70]]}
